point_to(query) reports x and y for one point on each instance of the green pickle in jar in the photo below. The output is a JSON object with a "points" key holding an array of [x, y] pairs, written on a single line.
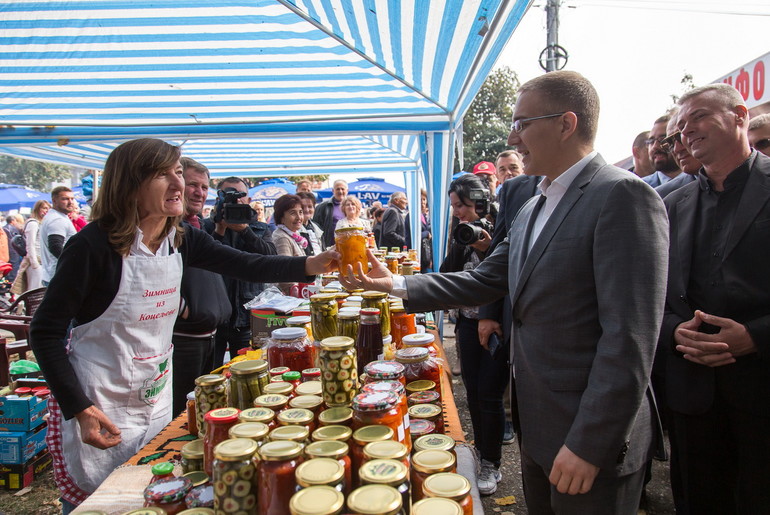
{"points": [[347, 324], [339, 375], [323, 315], [233, 476], [247, 382], [378, 300], [210, 394]]}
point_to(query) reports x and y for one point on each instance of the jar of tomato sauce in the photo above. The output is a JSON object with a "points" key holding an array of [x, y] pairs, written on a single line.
{"points": [[310, 387], [418, 364], [332, 433], [233, 476], [427, 463], [298, 434], [314, 403], [361, 437], [420, 427], [218, 424], [387, 450], [335, 450], [290, 347], [280, 388], [427, 397], [317, 500], [321, 472], [276, 481], [435, 442], [397, 388], [379, 408], [450, 486], [401, 324], [389, 473], [255, 431]]}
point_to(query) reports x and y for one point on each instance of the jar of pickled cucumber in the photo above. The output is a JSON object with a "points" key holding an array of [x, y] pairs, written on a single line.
{"points": [[450, 486], [192, 456], [256, 431], [339, 376], [233, 476], [262, 415], [351, 244], [210, 394], [290, 347], [320, 472], [390, 473], [247, 381], [323, 315], [335, 450], [375, 500], [342, 416], [317, 500], [276, 475], [347, 323], [378, 300]]}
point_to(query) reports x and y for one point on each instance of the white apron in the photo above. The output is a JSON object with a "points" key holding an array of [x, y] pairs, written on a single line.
{"points": [[123, 362]]}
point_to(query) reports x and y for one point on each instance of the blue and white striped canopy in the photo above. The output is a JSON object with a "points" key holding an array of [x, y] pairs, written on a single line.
{"points": [[260, 87]]}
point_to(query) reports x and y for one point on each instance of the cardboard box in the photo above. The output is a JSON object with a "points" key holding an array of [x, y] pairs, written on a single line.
{"points": [[17, 447], [21, 414], [16, 477], [264, 322]]}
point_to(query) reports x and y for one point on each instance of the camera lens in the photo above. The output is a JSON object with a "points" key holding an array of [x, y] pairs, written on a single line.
{"points": [[467, 234]]}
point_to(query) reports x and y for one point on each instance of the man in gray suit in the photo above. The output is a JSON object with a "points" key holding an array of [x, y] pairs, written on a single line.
{"points": [[585, 264]]}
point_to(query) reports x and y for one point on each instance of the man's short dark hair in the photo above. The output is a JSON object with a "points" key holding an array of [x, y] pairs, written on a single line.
{"points": [[564, 91], [188, 162], [757, 122], [306, 195], [230, 180], [640, 141], [58, 190]]}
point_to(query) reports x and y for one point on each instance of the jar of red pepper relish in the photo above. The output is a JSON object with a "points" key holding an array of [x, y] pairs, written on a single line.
{"points": [[336, 450], [290, 347], [361, 437], [419, 365], [384, 371], [218, 424], [276, 481], [379, 409], [397, 388]]}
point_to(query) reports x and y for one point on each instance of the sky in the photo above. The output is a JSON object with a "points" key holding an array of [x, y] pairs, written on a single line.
{"points": [[636, 52]]}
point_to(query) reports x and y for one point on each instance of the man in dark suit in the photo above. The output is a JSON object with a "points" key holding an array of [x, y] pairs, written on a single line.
{"points": [[717, 320], [585, 265], [395, 228]]}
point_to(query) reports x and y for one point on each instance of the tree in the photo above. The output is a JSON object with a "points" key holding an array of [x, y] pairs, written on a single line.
{"points": [[687, 84], [35, 174], [487, 123]]}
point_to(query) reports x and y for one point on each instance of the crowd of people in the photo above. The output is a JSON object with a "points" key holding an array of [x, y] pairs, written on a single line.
{"points": [[597, 309]]}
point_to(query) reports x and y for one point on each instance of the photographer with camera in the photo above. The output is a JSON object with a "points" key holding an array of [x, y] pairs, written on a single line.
{"points": [[233, 223], [484, 371]]}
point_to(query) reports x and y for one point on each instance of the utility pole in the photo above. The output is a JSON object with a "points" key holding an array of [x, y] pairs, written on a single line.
{"points": [[553, 57]]}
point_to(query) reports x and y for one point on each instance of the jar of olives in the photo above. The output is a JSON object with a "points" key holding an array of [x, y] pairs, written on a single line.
{"points": [[323, 315], [378, 300], [233, 476], [276, 476], [339, 376], [210, 393], [247, 381], [290, 347]]}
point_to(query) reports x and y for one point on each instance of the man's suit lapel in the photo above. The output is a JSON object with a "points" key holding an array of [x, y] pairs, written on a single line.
{"points": [[753, 199]]}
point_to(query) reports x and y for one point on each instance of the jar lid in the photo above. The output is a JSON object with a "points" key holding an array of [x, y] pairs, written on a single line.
{"points": [[235, 449], [446, 484], [383, 472], [384, 386], [333, 432], [335, 415], [291, 375], [369, 312], [316, 500], [386, 450], [327, 449], [270, 401], [417, 339], [150, 510], [278, 371], [387, 339], [210, 380], [355, 298], [199, 498], [251, 366], [436, 442], [261, 414], [323, 297], [312, 372], [431, 462], [193, 450], [289, 333], [380, 370], [424, 411], [279, 387], [310, 387], [280, 450], [295, 416], [412, 354], [337, 343], [397, 308], [306, 401], [44, 393], [420, 427], [191, 396], [348, 314], [350, 228], [376, 401], [371, 294], [161, 469], [433, 505], [429, 397], [165, 491], [420, 386], [23, 390], [368, 434], [374, 500], [252, 430], [222, 415], [298, 320], [197, 478], [319, 471], [293, 433]]}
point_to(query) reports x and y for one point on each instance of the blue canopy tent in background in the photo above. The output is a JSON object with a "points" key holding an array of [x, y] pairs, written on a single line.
{"points": [[367, 189], [271, 88], [13, 196], [269, 191]]}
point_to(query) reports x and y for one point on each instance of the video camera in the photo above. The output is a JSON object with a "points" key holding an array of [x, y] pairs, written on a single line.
{"points": [[228, 208], [467, 234]]}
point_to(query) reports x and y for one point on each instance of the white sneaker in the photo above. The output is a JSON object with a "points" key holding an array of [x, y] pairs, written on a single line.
{"points": [[489, 476]]}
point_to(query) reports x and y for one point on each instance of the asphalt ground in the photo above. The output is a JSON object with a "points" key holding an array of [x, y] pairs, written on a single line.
{"points": [[658, 492]]}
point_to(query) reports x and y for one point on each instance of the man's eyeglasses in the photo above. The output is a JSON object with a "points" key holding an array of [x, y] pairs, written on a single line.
{"points": [[667, 143], [762, 144], [651, 141], [518, 125]]}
